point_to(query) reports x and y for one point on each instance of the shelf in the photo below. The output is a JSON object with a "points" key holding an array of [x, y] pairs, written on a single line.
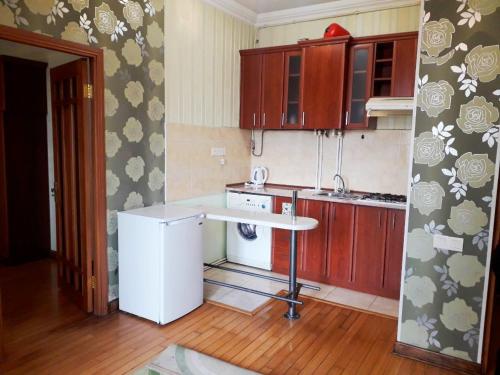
{"points": [[383, 60], [382, 79], [293, 102], [360, 71], [358, 100], [294, 75]]}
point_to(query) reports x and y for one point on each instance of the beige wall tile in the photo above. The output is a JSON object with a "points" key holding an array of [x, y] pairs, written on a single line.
{"points": [[192, 172]]}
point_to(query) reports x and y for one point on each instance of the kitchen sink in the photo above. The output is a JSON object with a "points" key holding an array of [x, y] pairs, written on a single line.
{"points": [[337, 195]]}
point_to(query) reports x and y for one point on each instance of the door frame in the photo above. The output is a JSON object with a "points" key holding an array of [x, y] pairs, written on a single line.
{"points": [[95, 191]]}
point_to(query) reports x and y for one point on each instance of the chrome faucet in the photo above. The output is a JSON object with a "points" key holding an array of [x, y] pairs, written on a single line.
{"points": [[339, 177]]}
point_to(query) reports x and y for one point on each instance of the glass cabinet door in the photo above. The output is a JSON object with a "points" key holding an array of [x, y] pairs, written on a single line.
{"points": [[291, 98], [359, 85]]}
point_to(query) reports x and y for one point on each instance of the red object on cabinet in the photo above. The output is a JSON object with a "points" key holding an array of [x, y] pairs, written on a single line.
{"points": [[335, 30]]}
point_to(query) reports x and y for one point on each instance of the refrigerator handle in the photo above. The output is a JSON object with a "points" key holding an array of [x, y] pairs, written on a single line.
{"points": [[183, 220]]}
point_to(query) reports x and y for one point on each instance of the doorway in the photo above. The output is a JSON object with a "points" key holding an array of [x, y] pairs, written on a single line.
{"points": [[63, 215]]}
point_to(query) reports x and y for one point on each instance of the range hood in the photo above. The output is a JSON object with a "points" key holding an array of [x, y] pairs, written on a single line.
{"points": [[386, 107]]}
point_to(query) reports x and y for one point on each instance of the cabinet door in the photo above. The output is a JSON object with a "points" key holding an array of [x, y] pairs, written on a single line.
{"points": [[281, 238], [394, 251], [369, 247], [272, 90], [404, 64], [250, 91], [292, 90], [359, 85], [323, 86], [313, 254], [340, 243]]}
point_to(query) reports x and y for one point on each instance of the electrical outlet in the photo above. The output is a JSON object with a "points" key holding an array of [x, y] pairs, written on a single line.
{"points": [[218, 151], [448, 243]]}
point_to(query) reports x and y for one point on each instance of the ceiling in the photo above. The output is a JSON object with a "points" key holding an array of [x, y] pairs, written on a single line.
{"points": [[23, 51], [263, 13], [264, 6]]}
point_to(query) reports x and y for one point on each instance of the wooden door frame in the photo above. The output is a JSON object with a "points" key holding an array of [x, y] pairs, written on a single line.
{"points": [[94, 227]]}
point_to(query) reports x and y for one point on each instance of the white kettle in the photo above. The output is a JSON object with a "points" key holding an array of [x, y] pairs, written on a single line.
{"points": [[259, 176]]}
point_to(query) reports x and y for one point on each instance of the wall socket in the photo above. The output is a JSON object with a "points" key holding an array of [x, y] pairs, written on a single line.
{"points": [[218, 151]]}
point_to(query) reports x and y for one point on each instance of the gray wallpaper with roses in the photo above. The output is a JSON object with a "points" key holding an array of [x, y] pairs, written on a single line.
{"points": [[130, 32], [453, 176]]}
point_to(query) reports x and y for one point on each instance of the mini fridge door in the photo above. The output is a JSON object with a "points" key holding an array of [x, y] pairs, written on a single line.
{"points": [[181, 265]]}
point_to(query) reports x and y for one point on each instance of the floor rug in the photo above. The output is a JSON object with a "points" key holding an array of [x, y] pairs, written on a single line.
{"points": [[178, 360]]}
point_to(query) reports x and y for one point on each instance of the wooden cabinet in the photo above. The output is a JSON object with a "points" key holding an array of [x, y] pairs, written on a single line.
{"points": [[355, 247], [292, 104], [261, 95], [323, 85], [250, 91], [394, 252], [281, 238], [272, 90], [312, 264], [369, 247], [359, 85], [405, 61], [340, 243], [379, 66]]}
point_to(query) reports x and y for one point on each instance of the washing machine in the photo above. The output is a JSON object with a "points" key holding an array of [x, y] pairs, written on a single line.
{"points": [[246, 243]]}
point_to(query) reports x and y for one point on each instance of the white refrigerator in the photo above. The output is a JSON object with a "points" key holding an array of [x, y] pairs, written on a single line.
{"points": [[160, 255]]}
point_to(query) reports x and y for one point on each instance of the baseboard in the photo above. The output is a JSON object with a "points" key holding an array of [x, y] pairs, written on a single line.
{"points": [[216, 263], [436, 359]]}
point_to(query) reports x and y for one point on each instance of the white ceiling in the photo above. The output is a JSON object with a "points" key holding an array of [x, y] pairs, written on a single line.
{"points": [[23, 51], [262, 13], [264, 6]]}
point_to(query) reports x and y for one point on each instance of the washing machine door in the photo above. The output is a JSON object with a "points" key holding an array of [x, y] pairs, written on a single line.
{"points": [[248, 232]]}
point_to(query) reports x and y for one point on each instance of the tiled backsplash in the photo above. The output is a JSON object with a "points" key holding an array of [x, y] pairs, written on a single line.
{"points": [[373, 160], [192, 171]]}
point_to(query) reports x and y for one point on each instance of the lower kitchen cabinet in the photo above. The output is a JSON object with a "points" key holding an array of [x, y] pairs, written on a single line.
{"points": [[312, 264], [394, 252], [369, 248], [339, 245], [281, 238], [355, 247]]}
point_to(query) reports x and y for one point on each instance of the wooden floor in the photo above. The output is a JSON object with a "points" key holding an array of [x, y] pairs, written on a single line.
{"points": [[46, 334]]}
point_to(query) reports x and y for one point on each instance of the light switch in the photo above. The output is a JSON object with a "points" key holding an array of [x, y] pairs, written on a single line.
{"points": [[218, 151], [448, 243]]}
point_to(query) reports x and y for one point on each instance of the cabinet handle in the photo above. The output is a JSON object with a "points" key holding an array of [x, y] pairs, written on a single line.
{"points": [[334, 212], [379, 220], [263, 119], [254, 120], [393, 221], [283, 119], [346, 118], [303, 119]]}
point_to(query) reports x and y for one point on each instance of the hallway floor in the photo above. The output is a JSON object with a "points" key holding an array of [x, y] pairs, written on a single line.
{"points": [[46, 334]]}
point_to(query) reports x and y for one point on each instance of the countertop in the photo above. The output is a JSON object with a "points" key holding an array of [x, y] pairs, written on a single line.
{"points": [[171, 213], [308, 194]]}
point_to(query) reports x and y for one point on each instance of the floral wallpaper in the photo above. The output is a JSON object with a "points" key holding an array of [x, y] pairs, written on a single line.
{"points": [[131, 36], [455, 166]]}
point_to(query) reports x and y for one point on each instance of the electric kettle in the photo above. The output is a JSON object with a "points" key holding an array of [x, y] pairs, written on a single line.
{"points": [[259, 176]]}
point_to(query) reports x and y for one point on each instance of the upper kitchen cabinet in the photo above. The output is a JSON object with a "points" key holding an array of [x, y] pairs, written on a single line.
{"points": [[359, 84], [292, 104], [323, 74], [272, 90], [251, 89], [261, 92], [379, 66]]}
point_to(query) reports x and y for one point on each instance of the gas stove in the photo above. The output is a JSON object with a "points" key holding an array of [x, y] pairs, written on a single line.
{"points": [[379, 197]]}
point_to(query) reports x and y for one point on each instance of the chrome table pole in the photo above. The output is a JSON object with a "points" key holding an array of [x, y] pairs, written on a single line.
{"points": [[293, 292]]}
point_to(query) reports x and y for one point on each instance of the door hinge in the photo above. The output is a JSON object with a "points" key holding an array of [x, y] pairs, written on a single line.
{"points": [[88, 91], [92, 282]]}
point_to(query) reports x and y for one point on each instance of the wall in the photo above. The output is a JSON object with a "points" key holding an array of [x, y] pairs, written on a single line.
{"points": [[203, 99], [454, 179], [131, 35], [377, 163]]}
